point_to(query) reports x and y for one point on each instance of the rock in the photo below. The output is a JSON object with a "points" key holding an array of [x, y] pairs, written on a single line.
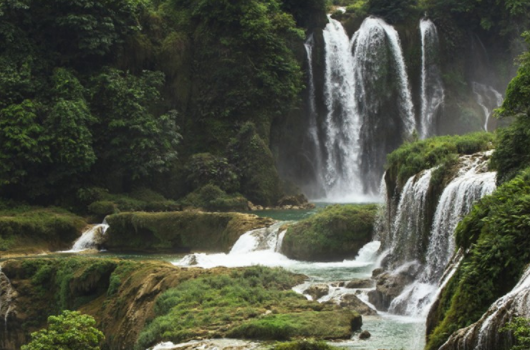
{"points": [[298, 200], [317, 291], [352, 302], [333, 234], [377, 272], [360, 283], [179, 231], [388, 287], [364, 335]]}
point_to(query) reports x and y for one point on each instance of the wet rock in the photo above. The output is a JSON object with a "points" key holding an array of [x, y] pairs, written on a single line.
{"points": [[352, 302], [377, 272], [360, 283], [364, 335], [388, 286], [317, 291]]}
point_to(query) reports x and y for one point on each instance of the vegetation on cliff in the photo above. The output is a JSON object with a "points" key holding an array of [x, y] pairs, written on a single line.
{"points": [[494, 235], [333, 234]]}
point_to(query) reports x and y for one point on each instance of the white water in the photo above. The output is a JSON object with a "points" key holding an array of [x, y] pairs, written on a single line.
{"points": [[407, 230], [313, 125], [488, 99], [432, 91], [88, 238], [355, 70], [342, 123], [457, 199], [7, 294]]}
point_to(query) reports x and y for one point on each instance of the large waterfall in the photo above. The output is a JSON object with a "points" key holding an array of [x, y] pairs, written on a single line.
{"points": [[366, 91], [408, 232], [432, 91]]}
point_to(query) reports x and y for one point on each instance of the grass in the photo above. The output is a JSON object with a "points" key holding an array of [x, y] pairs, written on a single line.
{"points": [[254, 302]]}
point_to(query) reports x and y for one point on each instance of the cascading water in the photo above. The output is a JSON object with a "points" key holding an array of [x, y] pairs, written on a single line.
{"points": [[488, 99], [89, 239], [366, 82], [313, 124], [407, 231], [342, 124], [432, 91], [471, 183], [7, 296], [484, 334]]}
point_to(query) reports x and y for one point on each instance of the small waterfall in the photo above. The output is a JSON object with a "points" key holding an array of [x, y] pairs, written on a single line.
{"points": [[365, 82], [256, 247], [488, 99], [90, 238], [457, 199], [484, 334], [313, 124], [7, 298], [432, 91], [407, 231]]}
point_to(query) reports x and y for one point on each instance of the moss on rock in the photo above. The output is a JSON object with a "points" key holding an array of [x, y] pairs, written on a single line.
{"points": [[335, 233], [179, 231], [31, 230]]}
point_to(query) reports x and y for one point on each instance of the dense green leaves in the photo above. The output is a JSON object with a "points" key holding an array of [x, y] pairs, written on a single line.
{"points": [[68, 331], [520, 327]]}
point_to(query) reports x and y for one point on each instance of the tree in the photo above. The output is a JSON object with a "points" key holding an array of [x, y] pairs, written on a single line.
{"points": [[69, 331], [520, 327], [130, 138]]}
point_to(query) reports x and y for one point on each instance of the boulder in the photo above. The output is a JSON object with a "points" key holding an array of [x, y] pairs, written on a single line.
{"points": [[317, 291], [352, 302], [360, 283], [388, 286], [364, 335]]}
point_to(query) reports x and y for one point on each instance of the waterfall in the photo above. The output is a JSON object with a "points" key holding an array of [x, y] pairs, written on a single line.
{"points": [[432, 91], [256, 247], [471, 183], [361, 126], [90, 238], [407, 230], [488, 99], [342, 124], [484, 334], [7, 296], [313, 124]]}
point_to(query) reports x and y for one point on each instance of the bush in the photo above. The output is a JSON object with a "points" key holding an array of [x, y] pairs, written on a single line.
{"points": [[333, 234], [210, 197], [205, 168], [69, 331], [102, 208]]}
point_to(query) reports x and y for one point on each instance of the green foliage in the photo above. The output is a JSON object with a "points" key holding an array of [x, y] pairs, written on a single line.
{"points": [[335, 233], [217, 305], [520, 328], [205, 168], [411, 158], [393, 11], [212, 198], [255, 166], [495, 236], [28, 227], [303, 345], [130, 139], [69, 331]]}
